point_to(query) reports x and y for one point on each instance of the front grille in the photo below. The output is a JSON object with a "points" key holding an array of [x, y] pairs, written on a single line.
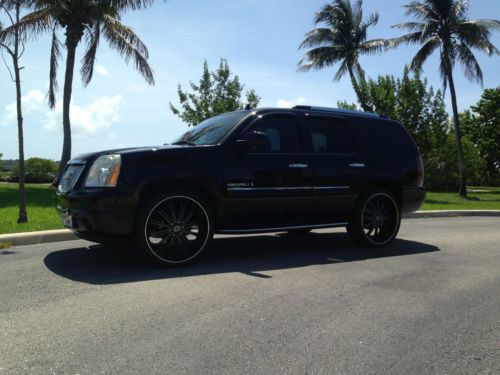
{"points": [[70, 177]]}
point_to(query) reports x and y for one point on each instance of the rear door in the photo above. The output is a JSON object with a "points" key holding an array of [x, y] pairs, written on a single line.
{"points": [[334, 162]]}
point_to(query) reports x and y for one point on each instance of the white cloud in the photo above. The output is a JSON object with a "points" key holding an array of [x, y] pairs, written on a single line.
{"points": [[101, 70], [99, 115], [283, 103], [32, 103]]}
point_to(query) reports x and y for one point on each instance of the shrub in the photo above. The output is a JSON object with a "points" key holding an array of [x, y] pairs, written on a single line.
{"points": [[37, 170]]}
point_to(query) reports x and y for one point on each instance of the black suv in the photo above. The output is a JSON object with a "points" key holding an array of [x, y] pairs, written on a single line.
{"points": [[262, 170]]}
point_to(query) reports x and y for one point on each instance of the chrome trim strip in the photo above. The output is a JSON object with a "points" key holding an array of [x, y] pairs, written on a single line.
{"points": [[357, 165], [288, 188], [330, 187], [298, 165], [270, 188], [277, 229]]}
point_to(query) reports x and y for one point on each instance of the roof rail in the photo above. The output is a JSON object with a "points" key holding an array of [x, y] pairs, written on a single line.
{"points": [[335, 110]]}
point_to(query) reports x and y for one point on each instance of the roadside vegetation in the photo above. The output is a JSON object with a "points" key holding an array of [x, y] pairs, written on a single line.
{"points": [[43, 215]]}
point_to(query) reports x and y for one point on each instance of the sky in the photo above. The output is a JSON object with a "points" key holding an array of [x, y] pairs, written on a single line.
{"points": [[259, 38]]}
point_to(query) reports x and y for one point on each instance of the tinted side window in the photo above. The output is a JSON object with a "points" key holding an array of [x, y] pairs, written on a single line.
{"points": [[328, 136], [282, 131]]}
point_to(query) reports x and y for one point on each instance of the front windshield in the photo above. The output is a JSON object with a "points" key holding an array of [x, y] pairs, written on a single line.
{"points": [[212, 130]]}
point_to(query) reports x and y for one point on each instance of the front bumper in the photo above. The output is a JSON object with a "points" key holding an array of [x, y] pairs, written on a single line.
{"points": [[413, 198], [98, 214]]}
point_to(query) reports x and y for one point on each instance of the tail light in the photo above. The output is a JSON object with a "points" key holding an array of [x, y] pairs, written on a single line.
{"points": [[420, 171]]}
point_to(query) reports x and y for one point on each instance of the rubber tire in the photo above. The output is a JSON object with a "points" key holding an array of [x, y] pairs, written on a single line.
{"points": [[354, 228], [143, 212]]}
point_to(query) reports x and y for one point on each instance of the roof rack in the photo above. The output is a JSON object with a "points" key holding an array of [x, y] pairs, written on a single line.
{"points": [[335, 110]]}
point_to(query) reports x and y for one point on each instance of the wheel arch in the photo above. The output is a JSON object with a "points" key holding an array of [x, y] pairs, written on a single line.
{"points": [[392, 186], [196, 187]]}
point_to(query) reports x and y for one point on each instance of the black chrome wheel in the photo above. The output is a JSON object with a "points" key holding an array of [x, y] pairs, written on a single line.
{"points": [[177, 229], [376, 220], [380, 218]]}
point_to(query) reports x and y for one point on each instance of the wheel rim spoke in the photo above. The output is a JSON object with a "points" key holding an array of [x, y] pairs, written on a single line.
{"points": [[165, 217]]}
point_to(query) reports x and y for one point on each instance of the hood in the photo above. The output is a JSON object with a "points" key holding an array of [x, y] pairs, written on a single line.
{"points": [[91, 156]]}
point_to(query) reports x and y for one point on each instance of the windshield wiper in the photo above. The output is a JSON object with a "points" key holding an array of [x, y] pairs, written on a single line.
{"points": [[184, 143]]}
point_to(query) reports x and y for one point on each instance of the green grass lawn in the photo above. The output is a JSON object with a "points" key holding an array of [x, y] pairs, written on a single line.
{"points": [[479, 198], [43, 216]]}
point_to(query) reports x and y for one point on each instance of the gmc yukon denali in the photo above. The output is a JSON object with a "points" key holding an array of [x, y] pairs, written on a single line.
{"points": [[252, 171]]}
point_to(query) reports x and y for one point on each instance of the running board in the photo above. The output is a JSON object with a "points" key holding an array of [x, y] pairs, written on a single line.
{"points": [[280, 229]]}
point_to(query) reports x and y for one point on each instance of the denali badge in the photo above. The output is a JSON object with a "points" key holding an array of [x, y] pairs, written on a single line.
{"points": [[239, 184]]}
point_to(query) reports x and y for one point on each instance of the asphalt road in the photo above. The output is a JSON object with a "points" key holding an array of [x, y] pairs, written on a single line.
{"points": [[266, 304]]}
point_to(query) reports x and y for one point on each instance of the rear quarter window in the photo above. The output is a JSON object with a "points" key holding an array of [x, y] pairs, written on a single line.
{"points": [[384, 143]]}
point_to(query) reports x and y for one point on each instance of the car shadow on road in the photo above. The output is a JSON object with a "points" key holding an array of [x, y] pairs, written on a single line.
{"points": [[250, 255]]}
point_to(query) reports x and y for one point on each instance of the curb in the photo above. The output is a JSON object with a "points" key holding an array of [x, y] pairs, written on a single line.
{"points": [[31, 238], [451, 213]]}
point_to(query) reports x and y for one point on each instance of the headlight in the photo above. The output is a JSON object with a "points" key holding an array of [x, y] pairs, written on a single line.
{"points": [[104, 172]]}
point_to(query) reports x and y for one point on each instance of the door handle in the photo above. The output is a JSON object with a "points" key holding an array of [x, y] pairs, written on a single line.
{"points": [[357, 165], [298, 165]]}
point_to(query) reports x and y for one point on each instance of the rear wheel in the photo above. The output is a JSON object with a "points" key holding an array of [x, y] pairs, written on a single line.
{"points": [[174, 229], [376, 220]]}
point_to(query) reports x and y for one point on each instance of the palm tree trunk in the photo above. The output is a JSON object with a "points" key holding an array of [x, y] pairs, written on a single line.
{"points": [[458, 137], [23, 215], [68, 89], [359, 92]]}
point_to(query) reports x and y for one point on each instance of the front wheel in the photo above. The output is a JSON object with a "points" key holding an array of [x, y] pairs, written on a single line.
{"points": [[174, 229], [376, 220]]}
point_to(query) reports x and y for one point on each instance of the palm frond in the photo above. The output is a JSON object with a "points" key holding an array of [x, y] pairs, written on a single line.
{"points": [[460, 8], [489, 24], [371, 21], [127, 34], [317, 37], [319, 58], [419, 10], [30, 27], [407, 38], [410, 26], [472, 70], [88, 60], [55, 54], [128, 45], [424, 52], [373, 46], [130, 4], [477, 36], [357, 12], [343, 69]]}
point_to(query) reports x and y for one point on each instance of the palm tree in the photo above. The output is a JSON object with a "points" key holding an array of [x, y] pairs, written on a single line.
{"points": [[341, 42], [12, 41], [85, 20], [443, 25]]}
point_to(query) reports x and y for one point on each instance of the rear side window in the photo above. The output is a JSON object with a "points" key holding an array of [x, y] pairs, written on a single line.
{"points": [[282, 131], [328, 135]]}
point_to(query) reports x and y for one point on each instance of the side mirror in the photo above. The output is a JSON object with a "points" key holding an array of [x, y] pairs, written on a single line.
{"points": [[258, 141]]}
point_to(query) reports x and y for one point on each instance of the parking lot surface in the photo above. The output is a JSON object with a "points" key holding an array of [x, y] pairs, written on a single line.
{"points": [[261, 304]]}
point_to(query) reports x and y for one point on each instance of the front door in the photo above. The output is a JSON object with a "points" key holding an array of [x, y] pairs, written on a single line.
{"points": [[270, 186]]}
